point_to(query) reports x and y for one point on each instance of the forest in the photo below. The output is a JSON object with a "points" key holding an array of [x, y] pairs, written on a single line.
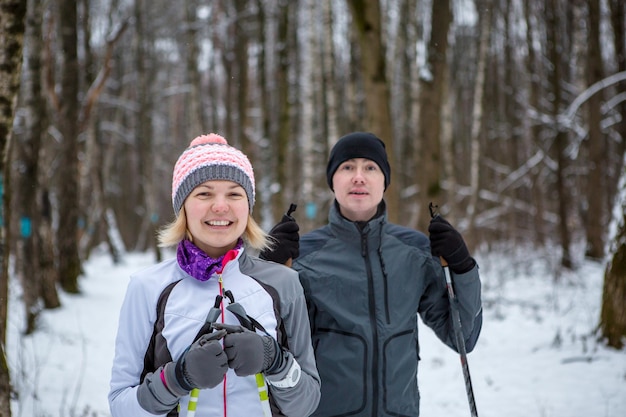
{"points": [[510, 116]]}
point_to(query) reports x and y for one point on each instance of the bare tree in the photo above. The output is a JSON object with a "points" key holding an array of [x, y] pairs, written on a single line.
{"points": [[144, 130], [613, 314], [284, 88], [478, 122], [618, 25], [12, 29], [68, 175], [428, 137], [556, 78], [366, 21], [192, 27], [283, 124], [37, 283], [598, 211], [533, 129]]}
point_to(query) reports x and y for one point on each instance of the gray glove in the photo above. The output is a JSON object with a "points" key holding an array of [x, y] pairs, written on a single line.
{"points": [[248, 352], [202, 365]]}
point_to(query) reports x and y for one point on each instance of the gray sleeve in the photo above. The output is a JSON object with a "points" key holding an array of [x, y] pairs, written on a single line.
{"points": [[302, 399], [153, 396], [435, 306], [467, 288]]}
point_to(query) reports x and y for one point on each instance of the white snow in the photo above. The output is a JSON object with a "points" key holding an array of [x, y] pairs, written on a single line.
{"points": [[537, 354]]}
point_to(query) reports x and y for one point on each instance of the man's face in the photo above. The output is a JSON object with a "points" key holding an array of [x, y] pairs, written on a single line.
{"points": [[359, 185]]}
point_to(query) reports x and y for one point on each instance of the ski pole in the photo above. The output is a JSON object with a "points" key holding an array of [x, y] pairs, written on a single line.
{"points": [[456, 324], [248, 322], [211, 318], [286, 218]]}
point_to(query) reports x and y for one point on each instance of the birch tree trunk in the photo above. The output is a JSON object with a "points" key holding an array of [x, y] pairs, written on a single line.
{"points": [[613, 313], [307, 43], [330, 99]]}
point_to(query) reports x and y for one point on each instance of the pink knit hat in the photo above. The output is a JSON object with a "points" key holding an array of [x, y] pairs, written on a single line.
{"points": [[209, 157]]}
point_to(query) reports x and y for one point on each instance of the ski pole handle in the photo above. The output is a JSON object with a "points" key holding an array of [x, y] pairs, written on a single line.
{"points": [[288, 218], [292, 208], [434, 213]]}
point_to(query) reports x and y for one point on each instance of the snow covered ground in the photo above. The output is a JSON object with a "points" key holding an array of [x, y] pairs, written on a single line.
{"points": [[536, 356]]}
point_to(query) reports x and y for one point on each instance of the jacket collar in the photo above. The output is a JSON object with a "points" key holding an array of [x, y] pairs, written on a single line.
{"points": [[344, 227]]}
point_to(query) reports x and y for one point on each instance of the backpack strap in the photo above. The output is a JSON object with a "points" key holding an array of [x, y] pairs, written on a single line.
{"points": [[157, 353]]}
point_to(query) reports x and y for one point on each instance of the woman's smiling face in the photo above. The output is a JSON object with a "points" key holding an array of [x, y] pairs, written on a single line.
{"points": [[217, 215]]}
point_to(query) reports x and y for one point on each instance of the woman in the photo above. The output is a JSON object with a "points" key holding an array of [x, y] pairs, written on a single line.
{"points": [[214, 331]]}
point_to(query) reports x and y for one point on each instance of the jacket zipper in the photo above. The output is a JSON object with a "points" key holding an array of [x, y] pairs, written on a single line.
{"points": [[221, 290], [372, 311]]}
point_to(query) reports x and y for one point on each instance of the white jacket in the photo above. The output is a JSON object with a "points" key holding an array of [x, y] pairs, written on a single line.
{"points": [[269, 292]]}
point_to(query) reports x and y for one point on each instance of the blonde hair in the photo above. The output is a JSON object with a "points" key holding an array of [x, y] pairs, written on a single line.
{"points": [[173, 233]]}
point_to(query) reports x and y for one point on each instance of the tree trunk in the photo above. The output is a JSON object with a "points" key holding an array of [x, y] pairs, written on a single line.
{"points": [[284, 122], [597, 214], [68, 176], [195, 110], [307, 81], [613, 313], [331, 101], [366, 21], [533, 130], [11, 44], [145, 134], [27, 189], [478, 115], [555, 78], [241, 46], [618, 24], [431, 102], [45, 251]]}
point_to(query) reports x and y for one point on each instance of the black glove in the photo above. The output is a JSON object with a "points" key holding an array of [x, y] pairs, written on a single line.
{"points": [[447, 242], [248, 352], [287, 242], [202, 365]]}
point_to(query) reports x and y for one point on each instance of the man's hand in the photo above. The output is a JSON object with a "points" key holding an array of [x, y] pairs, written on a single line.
{"points": [[447, 242], [287, 242]]}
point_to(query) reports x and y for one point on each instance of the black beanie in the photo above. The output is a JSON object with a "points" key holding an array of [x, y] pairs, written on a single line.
{"points": [[358, 145]]}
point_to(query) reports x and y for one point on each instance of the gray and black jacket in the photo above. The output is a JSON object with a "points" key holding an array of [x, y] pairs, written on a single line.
{"points": [[269, 293], [365, 283]]}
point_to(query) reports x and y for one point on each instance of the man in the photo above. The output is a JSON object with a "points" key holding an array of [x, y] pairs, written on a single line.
{"points": [[364, 281]]}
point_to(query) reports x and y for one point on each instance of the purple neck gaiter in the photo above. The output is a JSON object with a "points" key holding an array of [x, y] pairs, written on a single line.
{"points": [[196, 262]]}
